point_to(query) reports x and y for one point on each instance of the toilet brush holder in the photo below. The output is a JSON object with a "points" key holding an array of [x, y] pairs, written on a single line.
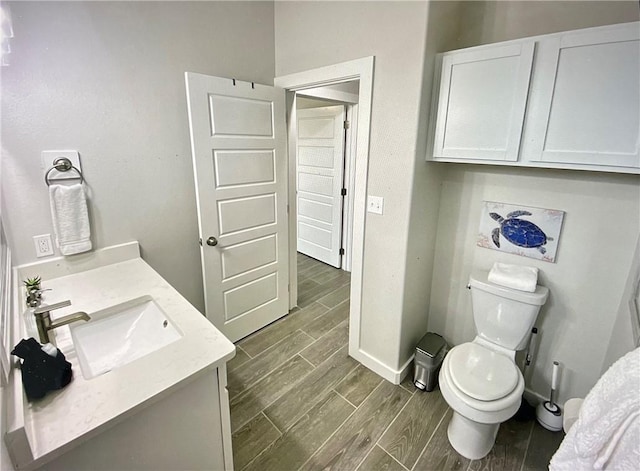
{"points": [[548, 413]]}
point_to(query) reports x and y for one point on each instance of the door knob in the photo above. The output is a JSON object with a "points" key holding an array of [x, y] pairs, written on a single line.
{"points": [[212, 241]]}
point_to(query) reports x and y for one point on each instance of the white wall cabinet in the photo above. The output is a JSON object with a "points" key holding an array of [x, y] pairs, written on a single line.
{"points": [[483, 97], [585, 108], [575, 103]]}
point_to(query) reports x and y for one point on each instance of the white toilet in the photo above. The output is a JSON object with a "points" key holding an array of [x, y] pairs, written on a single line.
{"points": [[480, 380]]}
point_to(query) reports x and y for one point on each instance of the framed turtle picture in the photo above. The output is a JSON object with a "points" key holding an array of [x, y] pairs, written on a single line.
{"points": [[520, 230]]}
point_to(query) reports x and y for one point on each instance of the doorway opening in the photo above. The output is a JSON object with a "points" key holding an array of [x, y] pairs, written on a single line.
{"points": [[325, 151], [247, 218], [362, 71], [325, 162]]}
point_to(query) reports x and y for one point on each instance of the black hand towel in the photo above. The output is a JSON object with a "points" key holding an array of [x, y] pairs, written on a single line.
{"points": [[41, 372]]}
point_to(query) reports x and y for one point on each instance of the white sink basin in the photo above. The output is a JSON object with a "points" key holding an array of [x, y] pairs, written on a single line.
{"points": [[121, 334]]}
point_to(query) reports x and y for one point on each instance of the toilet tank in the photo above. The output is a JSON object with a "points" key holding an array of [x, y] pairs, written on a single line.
{"points": [[504, 316]]}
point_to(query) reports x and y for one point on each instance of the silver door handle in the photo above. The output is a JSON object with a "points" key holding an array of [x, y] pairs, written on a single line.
{"points": [[212, 241]]}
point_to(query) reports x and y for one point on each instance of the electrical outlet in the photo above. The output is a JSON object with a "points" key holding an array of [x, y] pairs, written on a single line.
{"points": [[374, 204], [44, 246]]}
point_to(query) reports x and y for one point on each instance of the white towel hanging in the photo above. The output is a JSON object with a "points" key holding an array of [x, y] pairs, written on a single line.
{"points": [[70, 218]]}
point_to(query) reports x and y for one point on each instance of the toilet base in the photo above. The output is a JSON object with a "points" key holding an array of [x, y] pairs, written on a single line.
{"points": [[472, 440]]}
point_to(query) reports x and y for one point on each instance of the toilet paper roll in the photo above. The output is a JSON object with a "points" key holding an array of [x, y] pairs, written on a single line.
{"points": [[571, 412]]}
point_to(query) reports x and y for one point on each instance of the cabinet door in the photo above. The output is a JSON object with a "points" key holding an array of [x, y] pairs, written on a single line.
{"points": [[585, 103], [481, 105]]}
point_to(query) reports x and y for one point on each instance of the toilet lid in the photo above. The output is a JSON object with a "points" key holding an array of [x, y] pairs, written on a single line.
{"points": [[482, 373]]}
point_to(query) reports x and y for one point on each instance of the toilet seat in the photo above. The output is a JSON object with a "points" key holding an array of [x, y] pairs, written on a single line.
{"points": [[482, 373], [481, 411]]}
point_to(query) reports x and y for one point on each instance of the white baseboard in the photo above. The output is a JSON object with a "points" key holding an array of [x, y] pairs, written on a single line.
{"points": [[379, 368], [533, 397]]}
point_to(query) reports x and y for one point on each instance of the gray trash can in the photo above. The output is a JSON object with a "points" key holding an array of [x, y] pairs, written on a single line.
{"points": [[429, 355]]}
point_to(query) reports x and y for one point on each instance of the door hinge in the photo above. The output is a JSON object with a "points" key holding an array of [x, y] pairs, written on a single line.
{"points": [[346, 124], [343, 192], [288, 288], [287, 209], [341, 251]]}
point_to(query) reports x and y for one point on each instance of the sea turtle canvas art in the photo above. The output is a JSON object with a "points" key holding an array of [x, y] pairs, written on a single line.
{"points": [[525, 231], [519, 232]]}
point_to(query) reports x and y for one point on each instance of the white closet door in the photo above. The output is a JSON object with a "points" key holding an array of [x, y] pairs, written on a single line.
{"points": [[320, 169]]}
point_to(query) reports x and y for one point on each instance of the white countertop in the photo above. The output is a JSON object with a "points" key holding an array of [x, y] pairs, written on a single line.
{"points": [[66, 418]]}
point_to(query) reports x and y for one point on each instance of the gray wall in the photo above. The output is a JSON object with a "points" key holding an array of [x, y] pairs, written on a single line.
{"points": [[396, 272], [598, 237], [107, 79], [488, 22], [625, 335]]}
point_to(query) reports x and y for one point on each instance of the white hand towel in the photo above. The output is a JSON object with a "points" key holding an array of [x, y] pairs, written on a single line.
{"points": [[70, 218], [514, 276]]}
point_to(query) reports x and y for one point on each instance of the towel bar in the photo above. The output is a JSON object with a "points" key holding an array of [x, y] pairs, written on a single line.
{"points": [[62, 164]]}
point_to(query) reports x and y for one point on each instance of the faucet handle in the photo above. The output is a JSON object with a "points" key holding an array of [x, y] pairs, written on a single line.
{"points": [[51, 307]]}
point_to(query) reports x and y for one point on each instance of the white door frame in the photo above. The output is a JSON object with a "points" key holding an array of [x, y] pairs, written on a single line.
{"points": [[349, 179], [330, 94], [362, 70]]}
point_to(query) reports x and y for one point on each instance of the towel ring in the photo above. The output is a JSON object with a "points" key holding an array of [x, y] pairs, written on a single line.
{"points": [[62, 164]]}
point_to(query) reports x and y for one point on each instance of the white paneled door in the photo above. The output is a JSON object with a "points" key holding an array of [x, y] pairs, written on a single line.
{"points": [[238, 143], [320, 170]]}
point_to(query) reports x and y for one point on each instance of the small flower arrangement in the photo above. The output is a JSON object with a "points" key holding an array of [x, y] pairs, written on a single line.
{"points": [[34, 292]]}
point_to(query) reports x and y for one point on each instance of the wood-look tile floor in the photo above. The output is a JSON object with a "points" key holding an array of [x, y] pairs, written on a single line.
{"points": [[299, 402]]}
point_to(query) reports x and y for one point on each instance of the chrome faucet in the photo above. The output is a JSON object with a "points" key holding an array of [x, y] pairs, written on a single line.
{"points": [[43, 319]]}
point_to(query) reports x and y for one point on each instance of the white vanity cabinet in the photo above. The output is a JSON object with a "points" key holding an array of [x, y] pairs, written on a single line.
{"points": [[580, 108], [182, 429], [166, 409]]}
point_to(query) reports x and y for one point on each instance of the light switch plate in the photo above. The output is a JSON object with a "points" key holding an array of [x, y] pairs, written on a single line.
{"points": [[375, 204], [49, 156]]}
